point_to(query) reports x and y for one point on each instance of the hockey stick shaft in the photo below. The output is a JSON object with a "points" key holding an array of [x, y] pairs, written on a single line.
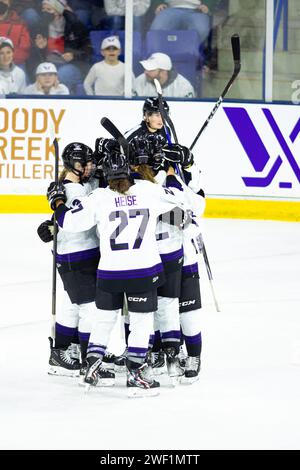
{"points": [[56, 156], [235, 45], [166, 118], [167, 121], [115, 133]]}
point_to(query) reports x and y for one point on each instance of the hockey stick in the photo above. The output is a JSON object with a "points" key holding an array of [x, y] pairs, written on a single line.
{"points": [[166, 119], [235, 45], [56, 155], [114, 131]]}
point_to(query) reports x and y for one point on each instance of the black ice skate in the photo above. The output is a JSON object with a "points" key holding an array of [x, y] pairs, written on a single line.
{"points": [[61, 363], [120, 361], [175, 371], [96, 375], [192, 370], [108, 361], [139, 384]]}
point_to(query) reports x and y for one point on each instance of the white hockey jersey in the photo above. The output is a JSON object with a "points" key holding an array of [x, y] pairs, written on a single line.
{"points": [[169, 236], [196, 206], [130, 259], [75, 247]]}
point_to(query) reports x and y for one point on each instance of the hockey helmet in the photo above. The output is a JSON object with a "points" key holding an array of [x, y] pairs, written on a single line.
{"points": [[151, 105], [115, 166], [79, 158], [139, 151]]}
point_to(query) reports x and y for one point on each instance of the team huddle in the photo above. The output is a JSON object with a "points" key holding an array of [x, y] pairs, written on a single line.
{"points": [[128, 242]]}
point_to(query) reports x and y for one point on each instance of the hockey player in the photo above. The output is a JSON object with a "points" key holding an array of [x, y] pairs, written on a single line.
{"points": [[190, 297], [77, 259], [152, 122], [125, 214], [169, 239]]}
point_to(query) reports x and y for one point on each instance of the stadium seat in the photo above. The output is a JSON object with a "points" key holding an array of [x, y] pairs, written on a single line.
{"points": [[97, 37]]}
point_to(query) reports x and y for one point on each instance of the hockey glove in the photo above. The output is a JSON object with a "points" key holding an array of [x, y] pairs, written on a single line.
{"points": [[56, 192], [156, 142], [176, 153], [45, 231], [160, 163], [139, 151]]}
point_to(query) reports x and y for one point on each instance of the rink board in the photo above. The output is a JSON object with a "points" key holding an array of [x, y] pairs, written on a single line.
{"points": [[248, 154]]}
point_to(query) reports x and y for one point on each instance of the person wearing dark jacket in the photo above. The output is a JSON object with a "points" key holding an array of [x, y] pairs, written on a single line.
{"points": [[68, 39]]}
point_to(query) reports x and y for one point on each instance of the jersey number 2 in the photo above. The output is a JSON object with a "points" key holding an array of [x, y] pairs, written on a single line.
{"points": [[123, 224]]}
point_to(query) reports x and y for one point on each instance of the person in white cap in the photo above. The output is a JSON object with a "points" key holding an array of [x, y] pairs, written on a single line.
{"points": [[106, 78], [159, 66], [46, 82], [12, 77]]}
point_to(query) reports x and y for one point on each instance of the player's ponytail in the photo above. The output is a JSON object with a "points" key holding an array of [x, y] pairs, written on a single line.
{"points": [[146, 172], [121, 185]]}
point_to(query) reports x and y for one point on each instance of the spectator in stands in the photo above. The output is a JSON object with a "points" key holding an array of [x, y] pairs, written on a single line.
{"points": [[174, 15], [69, 38], [12, 77], [106, 78], [29, 10], [47, 82], [14, 28], [39, 52], [115, 14], [159, 66], [89, 12]]}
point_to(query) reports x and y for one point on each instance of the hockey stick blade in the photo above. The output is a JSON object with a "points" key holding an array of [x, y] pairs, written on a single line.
{"points": [[157, 86], [114, 132]]}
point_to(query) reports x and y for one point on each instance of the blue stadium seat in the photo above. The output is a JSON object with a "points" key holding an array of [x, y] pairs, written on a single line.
{"points": [[181, 46], [97, 37]]}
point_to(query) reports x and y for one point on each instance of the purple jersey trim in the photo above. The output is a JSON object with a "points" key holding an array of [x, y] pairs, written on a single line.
{"points": [[77, 256], [131, 273], [174, 255], [190, 269]]}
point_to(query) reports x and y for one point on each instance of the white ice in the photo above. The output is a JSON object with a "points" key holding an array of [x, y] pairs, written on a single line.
{"points": [[248, 395]]}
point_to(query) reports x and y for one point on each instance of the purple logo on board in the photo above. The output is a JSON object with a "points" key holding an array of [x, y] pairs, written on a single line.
{"points": [[256, 150]]}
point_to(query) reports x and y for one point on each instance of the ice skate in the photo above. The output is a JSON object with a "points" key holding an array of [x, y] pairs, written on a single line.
{"points": [[192, 370], [74, 351], [61, 363], [157, 359], [120, 361], [82, 373], [108, 361], [96, 375], [175, 371], [139, 384], [182, 356]]}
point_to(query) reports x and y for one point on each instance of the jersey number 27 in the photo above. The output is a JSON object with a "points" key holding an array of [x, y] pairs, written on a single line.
{"points": [[133, 213]]}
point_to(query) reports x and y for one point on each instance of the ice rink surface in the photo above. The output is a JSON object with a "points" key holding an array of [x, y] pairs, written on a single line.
{"points": [[248, 395]]}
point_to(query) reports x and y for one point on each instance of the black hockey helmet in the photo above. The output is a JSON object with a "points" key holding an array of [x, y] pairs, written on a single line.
{"points": [[76, 156], [151, 105], [115, 166]]}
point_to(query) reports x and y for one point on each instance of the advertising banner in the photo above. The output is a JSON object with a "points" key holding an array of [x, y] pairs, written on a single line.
{"points": [[248, 150]]}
